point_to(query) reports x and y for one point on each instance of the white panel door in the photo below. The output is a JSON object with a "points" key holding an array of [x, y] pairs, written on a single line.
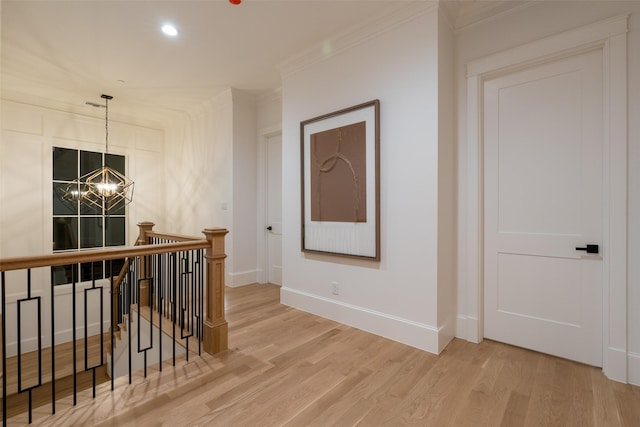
{"points": [[543, 145], [274, 209]]}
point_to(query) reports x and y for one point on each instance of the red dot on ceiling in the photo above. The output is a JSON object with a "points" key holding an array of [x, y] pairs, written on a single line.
{"points": [[235, 1]]}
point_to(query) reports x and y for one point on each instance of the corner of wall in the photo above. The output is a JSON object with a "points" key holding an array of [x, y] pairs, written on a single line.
{"points": [[242, 278], [244, 181], [447, 184]]}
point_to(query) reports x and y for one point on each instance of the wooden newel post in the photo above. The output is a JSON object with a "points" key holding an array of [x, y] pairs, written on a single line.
{"points": [[144, 228], [215, 324], [145, 262]]}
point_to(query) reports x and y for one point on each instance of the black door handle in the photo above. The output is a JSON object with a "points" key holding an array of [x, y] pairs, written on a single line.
{"points": [[269, 228], [590, 249]]}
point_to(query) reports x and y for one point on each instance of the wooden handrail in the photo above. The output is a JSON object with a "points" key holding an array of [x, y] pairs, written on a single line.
{"points": [[169, 236], [64, 258]]}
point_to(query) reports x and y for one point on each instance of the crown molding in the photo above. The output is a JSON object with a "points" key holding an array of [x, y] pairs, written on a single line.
{"points": [[120, 112], [273, 95], [468, 14], [448, 12], [390, 18]]}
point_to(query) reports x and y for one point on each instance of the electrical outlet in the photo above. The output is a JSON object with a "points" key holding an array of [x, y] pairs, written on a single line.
{"points": [[335, 288]]}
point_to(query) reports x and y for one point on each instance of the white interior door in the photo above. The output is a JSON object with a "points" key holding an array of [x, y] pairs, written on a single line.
{"points": [[274, 209], [543, 166]]}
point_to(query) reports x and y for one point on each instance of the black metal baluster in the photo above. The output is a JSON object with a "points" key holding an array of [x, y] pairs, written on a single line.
{"points": [[19, 344], [99, 289], [197, 297], [159, 278], [201, 301], [173, 307], [86, 327], [4, 351], [178, 285], [164, 285], [53, 346], [185, 284], [181, 299], [29, 390], [184, 305], [156, 274], [167, 287], [196, 301], [74, 273], [147, 278], [130, 273], [185, 321], [192, 294], [113, 325]]}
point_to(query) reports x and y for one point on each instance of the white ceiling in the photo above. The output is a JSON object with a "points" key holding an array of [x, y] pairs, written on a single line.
{"points": [[75, 50]]}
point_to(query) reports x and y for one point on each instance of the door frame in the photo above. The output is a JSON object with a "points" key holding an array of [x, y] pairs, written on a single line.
{"points": [[263, 258], [610, 37]]}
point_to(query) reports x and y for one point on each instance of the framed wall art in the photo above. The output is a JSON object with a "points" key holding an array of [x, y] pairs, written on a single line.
{"points": [[341, 182]]}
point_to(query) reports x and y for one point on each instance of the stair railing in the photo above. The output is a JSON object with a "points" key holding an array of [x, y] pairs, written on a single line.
{"points": [[163, 270]]}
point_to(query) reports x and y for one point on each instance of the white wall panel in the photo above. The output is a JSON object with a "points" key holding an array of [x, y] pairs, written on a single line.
{"points": [[30, 132], [400, 69]]}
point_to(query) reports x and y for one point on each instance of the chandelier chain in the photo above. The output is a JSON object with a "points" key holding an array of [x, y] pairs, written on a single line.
{"points": [[105, 188], [106, 125]]}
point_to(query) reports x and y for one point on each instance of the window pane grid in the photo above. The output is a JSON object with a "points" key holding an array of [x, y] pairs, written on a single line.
{"points": [[83, 227]]}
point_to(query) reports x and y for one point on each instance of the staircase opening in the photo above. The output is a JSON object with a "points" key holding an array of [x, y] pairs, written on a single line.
{"points": [[164, 301]]}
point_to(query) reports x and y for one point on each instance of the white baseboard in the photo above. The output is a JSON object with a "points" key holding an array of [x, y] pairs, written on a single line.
{"points": [[446, 334], [634, 368], [419, 335], [241, 278], [616, 364], [461, 326], [467, 328]]}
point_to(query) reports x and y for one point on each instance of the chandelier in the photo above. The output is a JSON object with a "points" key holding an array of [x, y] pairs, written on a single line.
{"points": [[105, 187]]}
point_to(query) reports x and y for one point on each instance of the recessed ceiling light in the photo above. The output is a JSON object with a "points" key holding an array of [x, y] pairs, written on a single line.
{"points": [[170, 30]]}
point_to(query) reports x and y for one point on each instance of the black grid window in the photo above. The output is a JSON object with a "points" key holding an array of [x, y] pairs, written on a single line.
{"points": [[77, 226]]}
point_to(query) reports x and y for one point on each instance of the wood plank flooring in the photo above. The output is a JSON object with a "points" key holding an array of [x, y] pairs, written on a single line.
{"points": [[289, 368]]}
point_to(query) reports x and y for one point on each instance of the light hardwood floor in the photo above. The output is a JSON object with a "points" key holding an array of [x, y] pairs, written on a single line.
{"points": [[289, 368]]}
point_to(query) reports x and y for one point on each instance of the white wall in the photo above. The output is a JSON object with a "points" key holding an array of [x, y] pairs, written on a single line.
{"points": [[446, 180], [396, 297], [28, 134], [524, 25], [244, 269], [199, 158], [269, 110], [211, 157]]}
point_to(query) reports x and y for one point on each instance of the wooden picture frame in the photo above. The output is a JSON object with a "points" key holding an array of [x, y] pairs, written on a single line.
{"points": [[340, 181]]}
